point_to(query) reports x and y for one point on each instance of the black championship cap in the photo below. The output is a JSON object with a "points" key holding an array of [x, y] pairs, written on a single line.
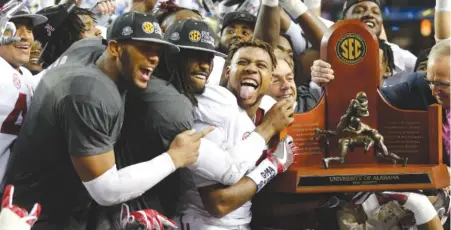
{"points": [[350, 3], [56, 16], [138, 27], [24, 12], [237, 16], [192, 34]]}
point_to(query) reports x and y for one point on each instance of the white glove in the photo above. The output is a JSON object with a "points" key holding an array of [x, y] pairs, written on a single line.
{"points": [[294, 8], [419, 204], [6, 13], [283, 155], [276, 162], [147, 219], [13, 217]]}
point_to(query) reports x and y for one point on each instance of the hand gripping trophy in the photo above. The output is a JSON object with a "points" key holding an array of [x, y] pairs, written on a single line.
{"points": [[351, 132]]}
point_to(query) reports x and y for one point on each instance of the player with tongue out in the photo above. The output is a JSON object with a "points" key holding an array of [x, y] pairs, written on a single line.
{"points": [[223, 187]]}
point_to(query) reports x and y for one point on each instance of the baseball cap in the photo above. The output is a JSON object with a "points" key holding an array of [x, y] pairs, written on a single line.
{"points": [[192, 34], [138, 27], [56, 16], [238, 16], [350, 3], [24, 12]]}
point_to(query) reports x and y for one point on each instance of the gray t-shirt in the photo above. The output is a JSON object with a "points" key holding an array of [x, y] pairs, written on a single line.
{"points": [[76, 111], [153, 117]]}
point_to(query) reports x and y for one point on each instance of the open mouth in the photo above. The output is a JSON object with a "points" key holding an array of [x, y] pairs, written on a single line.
{"points": [[34, 58], [369, 23], [200, 75], [286, 96], [248, 87], [146, 73], [23, 46]]}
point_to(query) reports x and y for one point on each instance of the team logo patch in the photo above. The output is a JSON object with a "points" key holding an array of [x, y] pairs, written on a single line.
{"points": [[127, 31], [49, 28], [148, 27], [175, 36], [351, 48], [16, 81], [194, 36], [157, 28], [207, 38]]}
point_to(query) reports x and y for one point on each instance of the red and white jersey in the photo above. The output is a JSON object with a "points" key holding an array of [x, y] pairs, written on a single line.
{"points": [[15, 97], [218, 107]]}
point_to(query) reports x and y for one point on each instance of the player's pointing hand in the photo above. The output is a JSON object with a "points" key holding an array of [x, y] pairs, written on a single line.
{"points": [[184, 149]]}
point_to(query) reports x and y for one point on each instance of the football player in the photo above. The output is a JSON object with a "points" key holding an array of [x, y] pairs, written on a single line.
{"points": [[220, 197], [15, 94], [64, 155]]}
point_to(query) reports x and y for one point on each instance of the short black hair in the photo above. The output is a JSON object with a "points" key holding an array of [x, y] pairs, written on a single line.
{"points": [[253, 43]]}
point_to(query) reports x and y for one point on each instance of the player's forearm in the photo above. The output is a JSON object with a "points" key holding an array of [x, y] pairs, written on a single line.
{"points": [[433, 224], [228, 167], [313, 28], [220, 200], [314, 6], [267, 27], [442, 25], [116, 186], [442, 19]]}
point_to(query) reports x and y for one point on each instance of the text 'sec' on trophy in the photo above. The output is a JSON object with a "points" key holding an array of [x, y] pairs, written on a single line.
{"points": [[354, 140]]}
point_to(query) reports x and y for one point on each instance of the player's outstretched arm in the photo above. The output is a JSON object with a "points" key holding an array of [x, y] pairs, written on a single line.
{"points": [[219, 200], [88, 126], [109, 186]]}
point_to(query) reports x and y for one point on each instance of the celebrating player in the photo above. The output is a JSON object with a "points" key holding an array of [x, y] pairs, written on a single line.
{"points": [[73, 123]]}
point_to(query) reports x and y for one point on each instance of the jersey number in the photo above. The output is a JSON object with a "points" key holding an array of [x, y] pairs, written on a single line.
{"points": [[9, 126]]}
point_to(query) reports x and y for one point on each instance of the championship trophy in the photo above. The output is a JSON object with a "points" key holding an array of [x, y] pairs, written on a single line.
{"points": [[354, 140]]}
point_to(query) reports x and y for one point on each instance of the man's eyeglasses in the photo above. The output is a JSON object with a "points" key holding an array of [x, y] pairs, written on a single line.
{"points": [[440, 85]]}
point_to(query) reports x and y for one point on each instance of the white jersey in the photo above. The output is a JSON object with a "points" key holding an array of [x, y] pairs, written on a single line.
{"points": [[216, 73], [15, 97], [218, 107]]}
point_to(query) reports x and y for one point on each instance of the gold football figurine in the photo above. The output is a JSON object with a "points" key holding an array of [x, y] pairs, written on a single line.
{"points": [[351, 133]]}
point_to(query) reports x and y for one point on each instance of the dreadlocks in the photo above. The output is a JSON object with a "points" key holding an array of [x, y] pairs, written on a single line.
{"points": [[167, 8], [177, 74], [67, 33], [388, 55]]}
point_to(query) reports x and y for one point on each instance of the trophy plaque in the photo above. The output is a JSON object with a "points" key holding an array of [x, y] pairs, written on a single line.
{"points": [[354, 140]]}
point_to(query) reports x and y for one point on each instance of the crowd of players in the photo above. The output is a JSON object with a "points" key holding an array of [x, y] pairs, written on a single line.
{"points": [[156, 117]]}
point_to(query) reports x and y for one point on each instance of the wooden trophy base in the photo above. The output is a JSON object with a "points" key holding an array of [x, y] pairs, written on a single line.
{"points": [[357, 178]]}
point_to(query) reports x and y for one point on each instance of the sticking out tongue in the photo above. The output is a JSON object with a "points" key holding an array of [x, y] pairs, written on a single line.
{"points": [[246, 92]]}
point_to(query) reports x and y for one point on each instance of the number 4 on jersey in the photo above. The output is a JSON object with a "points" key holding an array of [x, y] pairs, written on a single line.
{"points": [[9, 126]]}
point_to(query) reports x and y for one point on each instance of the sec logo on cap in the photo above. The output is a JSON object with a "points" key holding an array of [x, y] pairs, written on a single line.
{"points": [[194, 36], [351, 48], [148, 27]]}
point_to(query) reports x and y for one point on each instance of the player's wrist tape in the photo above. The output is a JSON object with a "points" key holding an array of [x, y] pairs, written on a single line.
{"points": [[294, 8], [313, 4], [443, 5], [263, 174], [271, 3], [422, 208]]}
